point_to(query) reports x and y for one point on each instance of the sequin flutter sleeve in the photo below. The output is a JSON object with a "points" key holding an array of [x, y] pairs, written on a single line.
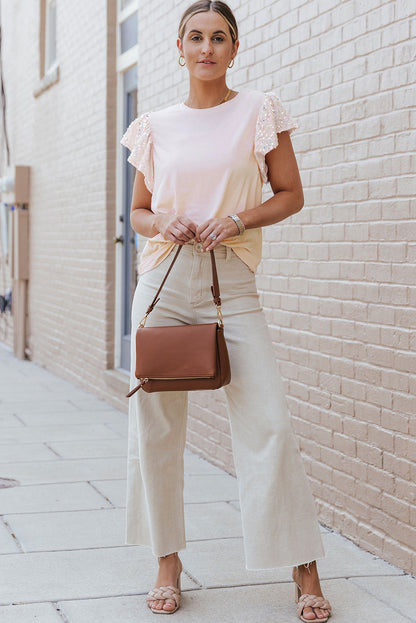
{"points": [[138, 138], [272, 119]]}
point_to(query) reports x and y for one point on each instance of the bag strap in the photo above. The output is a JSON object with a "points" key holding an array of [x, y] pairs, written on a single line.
{"points": [[215, 289]]}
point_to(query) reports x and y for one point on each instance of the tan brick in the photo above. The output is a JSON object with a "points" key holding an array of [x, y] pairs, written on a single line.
{"points": [[354, 310], [342, 367], [354, 389], [379, 396], [355, 467], [405, 490], [405, 317], [344, 444], [319, 397], [390, 379], [405, 362], [381, 520], [405, 447], [319, 361], [393, 294], [344, 482], [331, 457], [381, 314], [370, 539], [366, 332], [330, 420], [396, 465], [354, 350], [365, 252], [381, 479], [380, 356], [341, 327], [397, 338], [343, 405], [380, 437], [404, 403], [322, 472], [367, 373], [399, 553], [367, 412], [394, 421], [392, 252], [370, 454], [369, 494], [355, 428]]}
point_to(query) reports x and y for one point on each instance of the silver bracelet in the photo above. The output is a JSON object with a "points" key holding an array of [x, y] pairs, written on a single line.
{"points": [[237, 220]]}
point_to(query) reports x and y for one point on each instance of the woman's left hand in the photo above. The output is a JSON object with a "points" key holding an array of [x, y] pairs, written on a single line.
{"points": [[221, 228]]}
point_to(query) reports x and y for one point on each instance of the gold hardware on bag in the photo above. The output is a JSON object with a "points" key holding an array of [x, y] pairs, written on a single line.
{"points": [[219, 317], [142, 322], [133, 391]]}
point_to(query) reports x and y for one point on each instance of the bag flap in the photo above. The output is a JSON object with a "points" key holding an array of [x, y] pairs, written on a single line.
{"points": [[180, 351]]}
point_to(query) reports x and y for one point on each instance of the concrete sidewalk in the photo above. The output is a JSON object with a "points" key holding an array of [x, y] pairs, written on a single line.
{"points": [[62, 548]]}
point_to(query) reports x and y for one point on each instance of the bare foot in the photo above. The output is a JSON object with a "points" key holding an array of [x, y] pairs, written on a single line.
{"points": [[309, 583], [170, 567]]}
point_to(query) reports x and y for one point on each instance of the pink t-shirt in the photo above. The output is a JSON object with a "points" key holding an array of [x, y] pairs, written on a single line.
{"points": [[207, 162]]}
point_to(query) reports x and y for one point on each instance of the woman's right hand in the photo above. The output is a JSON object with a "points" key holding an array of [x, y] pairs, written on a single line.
{"points": [[178, 229]]}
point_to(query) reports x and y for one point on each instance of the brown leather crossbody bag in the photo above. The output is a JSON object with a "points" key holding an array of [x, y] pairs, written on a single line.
{"points": [[182, 357]]}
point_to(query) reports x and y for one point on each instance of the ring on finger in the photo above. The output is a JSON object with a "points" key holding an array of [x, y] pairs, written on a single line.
{"points": [[213, 236]]}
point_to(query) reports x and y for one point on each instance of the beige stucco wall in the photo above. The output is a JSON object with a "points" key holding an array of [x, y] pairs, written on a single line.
{"points": [[337, 280]]}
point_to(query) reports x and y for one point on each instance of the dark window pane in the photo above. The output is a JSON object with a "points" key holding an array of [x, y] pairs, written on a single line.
{"points": [[128, 33]]}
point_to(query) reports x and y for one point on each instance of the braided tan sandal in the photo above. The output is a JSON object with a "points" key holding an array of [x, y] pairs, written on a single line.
{"points": [[165, 592], [312, 601]]}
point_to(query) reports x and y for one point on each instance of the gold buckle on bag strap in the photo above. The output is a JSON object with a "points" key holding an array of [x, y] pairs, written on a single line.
{"points": [[220, 320], [142, 322]]}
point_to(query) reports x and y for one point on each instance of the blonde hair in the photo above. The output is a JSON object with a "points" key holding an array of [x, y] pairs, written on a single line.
{"points": [[203, 6]]}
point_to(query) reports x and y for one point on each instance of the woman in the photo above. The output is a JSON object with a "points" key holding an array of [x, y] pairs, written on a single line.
{"points": [[200, 169]]}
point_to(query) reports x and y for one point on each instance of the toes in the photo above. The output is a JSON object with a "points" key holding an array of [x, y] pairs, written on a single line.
{"points": [[314, 614], [169, 604], [308, 613], [320, 613]]}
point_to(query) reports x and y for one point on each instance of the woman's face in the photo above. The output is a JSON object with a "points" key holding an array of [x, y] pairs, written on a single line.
{"points": [[207, 46]]}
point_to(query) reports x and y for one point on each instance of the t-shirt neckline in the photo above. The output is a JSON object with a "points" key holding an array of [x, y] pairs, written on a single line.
{"points": [[186, 107]]}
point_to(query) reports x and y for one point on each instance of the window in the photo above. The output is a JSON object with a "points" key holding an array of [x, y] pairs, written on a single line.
{"points": [[128, 52], [128, 33], [48, 64], [50, 34]]}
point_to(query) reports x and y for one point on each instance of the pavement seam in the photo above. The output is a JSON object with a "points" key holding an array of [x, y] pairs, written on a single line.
{"points": [[380, 599], [19, 419], [113, 430], [193, 579], [12, 534], [61, 614], [102, 494], [46, 443]]}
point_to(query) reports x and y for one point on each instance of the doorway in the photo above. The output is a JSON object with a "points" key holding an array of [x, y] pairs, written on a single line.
{"points": [[127, 238]]}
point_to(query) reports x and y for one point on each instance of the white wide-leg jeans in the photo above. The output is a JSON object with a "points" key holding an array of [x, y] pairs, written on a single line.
{"points": [[279, 521]]}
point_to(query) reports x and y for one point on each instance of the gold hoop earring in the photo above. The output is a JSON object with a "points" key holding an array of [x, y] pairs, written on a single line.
{"points": [[184, 61], [231, 64]]}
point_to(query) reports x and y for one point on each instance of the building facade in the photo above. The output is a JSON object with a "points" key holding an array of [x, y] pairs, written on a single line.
{"points": [[337, 280]]}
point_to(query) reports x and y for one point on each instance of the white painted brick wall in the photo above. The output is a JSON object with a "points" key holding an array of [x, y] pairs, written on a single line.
{"points": [[337, 280]]}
